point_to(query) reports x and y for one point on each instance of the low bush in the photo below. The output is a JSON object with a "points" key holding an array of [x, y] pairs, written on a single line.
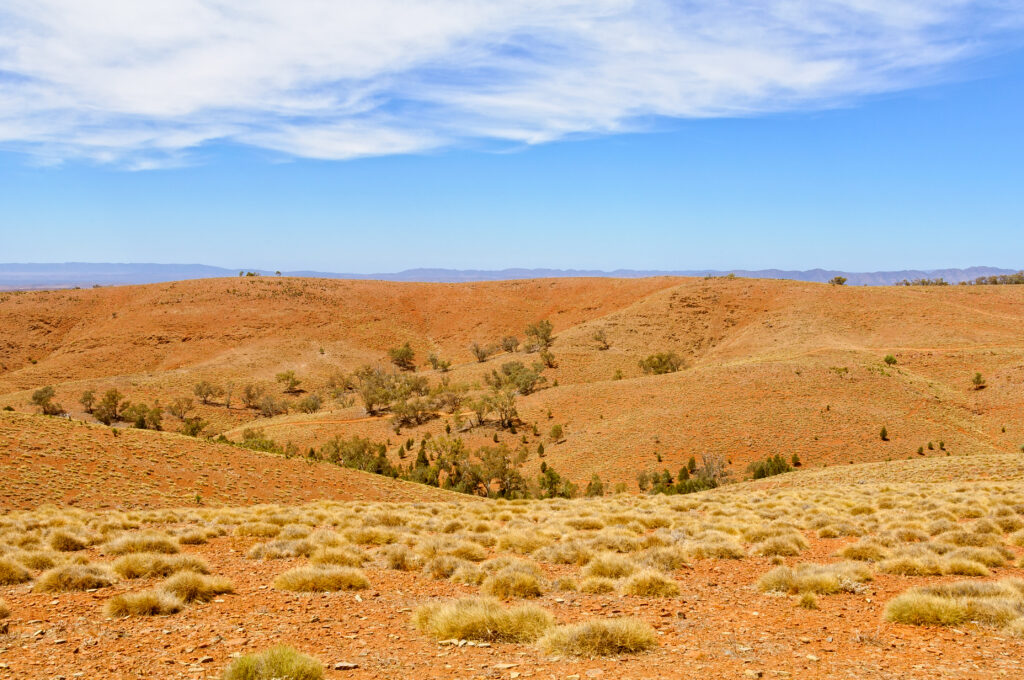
{"points": [[190, 587], [509, 583], [73, 577], [277, 663], [64, 541], [482, 619], [145, 603], [650, 583], [322, 579], [150, 565], [597, 585], [141, 543], [12, 573], [610, 565], [605, 637]]}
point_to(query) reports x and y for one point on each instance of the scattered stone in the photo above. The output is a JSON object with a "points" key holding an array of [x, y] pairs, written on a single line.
{"points": [[345, 666]]}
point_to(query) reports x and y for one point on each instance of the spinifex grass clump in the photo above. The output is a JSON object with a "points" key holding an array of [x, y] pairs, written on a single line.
{"points": [[74, 577], [998, 603], [145, 603], [604, 637], [482, 619], [322, 579], [277, 663]]}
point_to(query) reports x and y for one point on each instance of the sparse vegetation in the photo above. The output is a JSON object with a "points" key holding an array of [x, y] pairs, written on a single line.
{"points": [[605, 637], [661, 363], [277, 663], [482, 619]]}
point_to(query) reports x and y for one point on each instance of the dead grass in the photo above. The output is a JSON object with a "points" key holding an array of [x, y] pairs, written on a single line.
{"points": [[822, 579], [348, 556], [281, 549], [64, 541], [605, 637], [12, 573], [322, 579], [988, 603], [510, 583], [277, 663], [650, 583], [482, 619], [73, 577], [145, 603], [188, 586], [141, 543], [5, 611], [610, 565], [149, 565], [597, 585]]}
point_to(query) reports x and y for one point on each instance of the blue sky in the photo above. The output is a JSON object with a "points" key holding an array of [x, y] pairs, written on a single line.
{"points": [[467, 147]]}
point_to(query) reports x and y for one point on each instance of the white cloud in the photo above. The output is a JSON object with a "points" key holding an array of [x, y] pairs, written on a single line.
{"points": [[143, 83]]}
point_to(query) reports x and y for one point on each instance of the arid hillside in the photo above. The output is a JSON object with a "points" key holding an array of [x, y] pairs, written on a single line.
{"points": [[770, 367], [53, 461]]}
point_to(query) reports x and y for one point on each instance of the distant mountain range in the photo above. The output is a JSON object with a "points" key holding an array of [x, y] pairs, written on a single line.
{"points": [[71, 274]]}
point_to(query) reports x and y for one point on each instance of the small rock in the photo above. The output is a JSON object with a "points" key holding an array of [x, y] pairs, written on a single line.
{"points": [[752, 673], [345, 666], [504, 666], [206, 659]]}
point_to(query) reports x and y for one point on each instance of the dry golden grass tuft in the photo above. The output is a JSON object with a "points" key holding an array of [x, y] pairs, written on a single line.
{"points": [[597, 585], [149, 565], [482, 619], [344, 556], [823, 579], [188, 586], [989, 603], [141, 543], [144, 603], [258, 530], [277, 663], [65, 541], [40, 559], [604, 637], [282, 549], [73, 577], [510, 582], [610, 565], [12, 572], [322, 579], [5, 611], [649, 583], [401, 558]]}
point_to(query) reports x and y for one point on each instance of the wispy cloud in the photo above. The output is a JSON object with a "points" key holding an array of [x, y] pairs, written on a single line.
{"points": [[142, 84]]}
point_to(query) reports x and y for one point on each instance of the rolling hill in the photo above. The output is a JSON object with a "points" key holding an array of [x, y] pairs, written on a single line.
{"points": [[772, 366]]}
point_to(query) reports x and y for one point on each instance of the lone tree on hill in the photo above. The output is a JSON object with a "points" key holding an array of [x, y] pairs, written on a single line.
{"points": [[541, 334], [403, 357], [661, 363], [291, 382], [43, 398], [205, 391], [87, 400]]}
